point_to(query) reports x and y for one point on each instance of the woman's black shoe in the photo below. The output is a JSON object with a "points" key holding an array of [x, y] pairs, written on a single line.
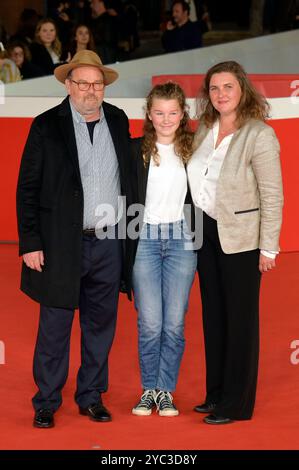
{"points": [[213, 419], [205, 408]]}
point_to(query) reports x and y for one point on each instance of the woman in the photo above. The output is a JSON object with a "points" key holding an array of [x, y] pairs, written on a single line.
{"points": [[82, 39], [20, 54], [46, 49], [165, 262], [9, 72], [235, 178]]}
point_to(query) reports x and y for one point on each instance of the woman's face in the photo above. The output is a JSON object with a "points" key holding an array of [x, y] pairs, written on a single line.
{"points": [[166, 116], [82, 35], [225, 93], [17, 55], [47, 34]]}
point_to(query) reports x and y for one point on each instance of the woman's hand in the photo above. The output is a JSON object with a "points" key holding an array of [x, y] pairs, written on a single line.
{"points": [[266, 263]]}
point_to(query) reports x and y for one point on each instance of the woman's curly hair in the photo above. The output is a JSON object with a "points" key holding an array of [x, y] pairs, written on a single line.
{"points": [[252, 104], [183, 137]]}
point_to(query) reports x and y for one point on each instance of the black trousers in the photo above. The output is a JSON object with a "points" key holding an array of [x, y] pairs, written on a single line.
{"points": [[100, 281], [230, 287]]}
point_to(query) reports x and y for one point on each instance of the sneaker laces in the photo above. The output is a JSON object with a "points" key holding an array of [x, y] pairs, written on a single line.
{"points": [[164, 400], [147, 398]]}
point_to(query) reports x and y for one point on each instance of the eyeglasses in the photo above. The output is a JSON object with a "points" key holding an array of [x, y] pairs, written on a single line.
{"points": [[84, 86]]}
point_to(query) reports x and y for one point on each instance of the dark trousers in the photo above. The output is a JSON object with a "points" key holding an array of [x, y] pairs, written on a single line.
{"points": [[100, 280], [230, 285]]}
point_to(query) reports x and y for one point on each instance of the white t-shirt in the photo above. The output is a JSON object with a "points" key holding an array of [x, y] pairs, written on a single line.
{"points": [[166, 188]]}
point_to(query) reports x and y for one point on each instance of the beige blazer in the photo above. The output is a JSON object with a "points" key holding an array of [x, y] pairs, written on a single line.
{"points": [[249, 196]]}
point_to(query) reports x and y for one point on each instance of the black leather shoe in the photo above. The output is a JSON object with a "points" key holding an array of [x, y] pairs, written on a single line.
{"points": [[43, 418], [96, 412], [214, 419], [205, 408]]}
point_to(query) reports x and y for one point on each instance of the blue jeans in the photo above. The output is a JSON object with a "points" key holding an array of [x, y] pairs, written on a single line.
{"points": [[163, 274]]}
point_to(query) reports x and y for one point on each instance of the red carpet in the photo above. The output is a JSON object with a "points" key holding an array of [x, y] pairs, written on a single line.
{"points": [[276, 420]]}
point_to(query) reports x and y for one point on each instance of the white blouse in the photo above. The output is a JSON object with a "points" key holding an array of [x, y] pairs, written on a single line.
{"points": [[204, 169], [54, 56]]}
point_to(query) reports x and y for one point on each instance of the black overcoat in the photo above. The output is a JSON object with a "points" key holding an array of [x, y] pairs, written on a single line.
{"points": [[50, 202]]}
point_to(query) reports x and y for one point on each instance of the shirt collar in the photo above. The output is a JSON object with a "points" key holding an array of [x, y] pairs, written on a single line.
{"points": [[215, 131], [78, 117]]}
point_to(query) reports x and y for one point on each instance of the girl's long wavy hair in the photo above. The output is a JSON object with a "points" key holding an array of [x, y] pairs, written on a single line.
{"points": [[183, 137], [56, 44], [252, 104]]}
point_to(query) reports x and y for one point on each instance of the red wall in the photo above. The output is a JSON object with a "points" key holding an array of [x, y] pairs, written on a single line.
{"points": [[13, 136]]}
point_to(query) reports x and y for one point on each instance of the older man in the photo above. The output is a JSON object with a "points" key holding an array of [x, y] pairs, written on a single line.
{"points": [[74, 161]]}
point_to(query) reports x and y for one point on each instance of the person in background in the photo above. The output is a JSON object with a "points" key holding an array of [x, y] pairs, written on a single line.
{"points": [[203, 15], [20, 54], [46, 50], [60, 12], [181, 34], [82, 38], [26, 28], [129, 27], [162, 259], [81, 11], [105, 30], [9, 72], [235, 178]]}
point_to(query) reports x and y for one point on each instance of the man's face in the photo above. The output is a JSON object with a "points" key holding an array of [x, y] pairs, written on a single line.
{"points": [[97, 6], [179, 15], [87, 102]]}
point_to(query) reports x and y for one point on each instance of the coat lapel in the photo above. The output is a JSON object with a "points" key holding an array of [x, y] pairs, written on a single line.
{"points": [[142, 177], [67, 130], [113, 125], [142, 172]]}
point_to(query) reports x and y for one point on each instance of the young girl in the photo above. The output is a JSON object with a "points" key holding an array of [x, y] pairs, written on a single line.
{"points": [[163, 258]]}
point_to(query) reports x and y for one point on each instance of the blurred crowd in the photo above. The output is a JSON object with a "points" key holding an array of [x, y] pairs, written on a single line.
{"points": [[111, 28], [39, 44]]}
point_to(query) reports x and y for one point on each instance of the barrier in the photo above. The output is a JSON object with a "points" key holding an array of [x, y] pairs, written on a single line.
{"points": [[14, 131], [271, 86]]}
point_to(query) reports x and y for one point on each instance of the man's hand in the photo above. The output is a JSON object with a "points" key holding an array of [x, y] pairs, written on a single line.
{"points": [[170, 26], [266, 263], [34, 260]]}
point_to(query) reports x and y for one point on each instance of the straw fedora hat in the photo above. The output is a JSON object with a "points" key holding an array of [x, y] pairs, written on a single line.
{"points": [[81, 59]]}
